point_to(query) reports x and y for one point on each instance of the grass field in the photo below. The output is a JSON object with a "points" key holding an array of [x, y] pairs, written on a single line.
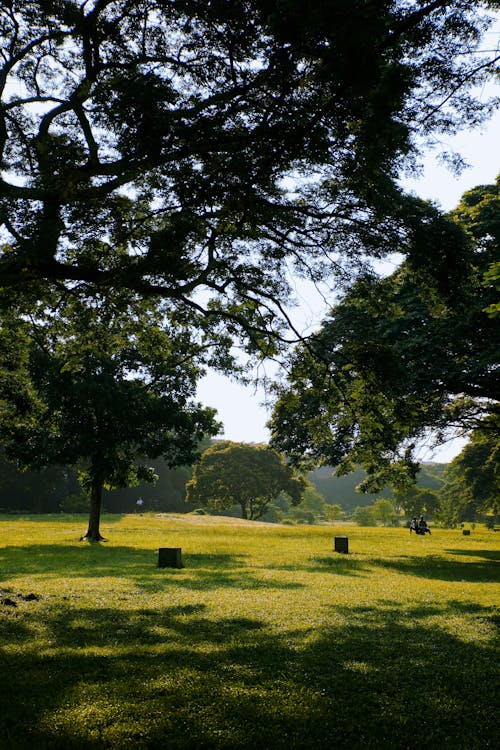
{"points": [[267, 638]]}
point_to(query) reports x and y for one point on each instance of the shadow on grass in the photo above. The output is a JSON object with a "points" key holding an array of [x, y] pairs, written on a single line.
{"points": [[441, 568], [107, 519], [485, 554], [79, 560], [338, 564], [201, 571], [176, 678]]}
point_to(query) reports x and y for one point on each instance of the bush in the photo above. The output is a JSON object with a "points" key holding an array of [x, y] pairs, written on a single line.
{"points": [[76, 503], [492, 521], [333, 512], [272, 515], [383, 511], [363, 516], [300, 515]]}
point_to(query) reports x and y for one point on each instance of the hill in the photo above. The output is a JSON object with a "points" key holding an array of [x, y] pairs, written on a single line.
{"points": [[342, 490]]}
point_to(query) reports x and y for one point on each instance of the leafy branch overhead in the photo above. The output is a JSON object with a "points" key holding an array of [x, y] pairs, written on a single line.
{"points": [[203, 150], [403, 357]]}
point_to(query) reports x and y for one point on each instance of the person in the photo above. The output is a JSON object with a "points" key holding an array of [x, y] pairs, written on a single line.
{"points": [[422, 526], [413, 524]]}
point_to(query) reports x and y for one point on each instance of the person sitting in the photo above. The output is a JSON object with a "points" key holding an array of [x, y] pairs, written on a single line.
{"points": [[422, 526], [413, 524]]}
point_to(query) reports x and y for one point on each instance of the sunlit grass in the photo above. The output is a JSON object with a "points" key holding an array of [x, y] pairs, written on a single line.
{"points": [[267, 638]]}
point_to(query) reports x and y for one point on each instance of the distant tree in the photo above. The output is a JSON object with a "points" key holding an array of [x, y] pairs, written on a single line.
{"points": [[431, 476], [297, 514], [272, 514], [363, 516], [333, 512], [35, 491], [344, 489], [75, 503], [312, 500], [402, 357], [472, 486], [167, 494], [250, 476], [113, 386], [417, 501], [383, 511]]}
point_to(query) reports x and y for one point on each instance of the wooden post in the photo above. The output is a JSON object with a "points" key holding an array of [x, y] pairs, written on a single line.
{"points": [[170, 557], [342, 544]]}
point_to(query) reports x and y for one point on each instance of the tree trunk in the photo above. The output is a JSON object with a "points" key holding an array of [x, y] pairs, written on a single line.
{"points": [[93, 533]]}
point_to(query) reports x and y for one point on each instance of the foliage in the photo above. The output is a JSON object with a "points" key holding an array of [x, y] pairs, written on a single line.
{"points": [[265, 638], [114, 384], [383, 511], [247, 475], [417, 501], [56, 488], [167, 494], [77, 503], [313, 508], [401, 356], [364, 516], [343, 490], [35, 491], [312, 500], [492, 276], [431, 476], [300, 515], [472, 487], [198, 151], [333, 512]]}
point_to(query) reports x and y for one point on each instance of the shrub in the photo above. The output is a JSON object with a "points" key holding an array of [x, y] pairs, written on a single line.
{"points": [[363, 516], [76, 503], [300, 515]]}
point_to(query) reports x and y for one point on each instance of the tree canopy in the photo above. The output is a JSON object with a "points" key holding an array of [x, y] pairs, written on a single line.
{"points": [[110, 385], [472, 486], [243, 474], [195, 155], [202, 150], [402, 356]]}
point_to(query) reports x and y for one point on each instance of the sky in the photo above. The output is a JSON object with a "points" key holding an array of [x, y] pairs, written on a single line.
{"points": [[242, 409]]}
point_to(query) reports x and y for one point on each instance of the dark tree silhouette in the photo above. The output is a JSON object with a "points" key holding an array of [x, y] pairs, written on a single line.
{"points": [[182, 147]]}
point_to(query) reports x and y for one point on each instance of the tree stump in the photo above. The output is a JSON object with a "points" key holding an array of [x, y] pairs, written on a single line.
{"points": [[342, 544], [170, 557]]}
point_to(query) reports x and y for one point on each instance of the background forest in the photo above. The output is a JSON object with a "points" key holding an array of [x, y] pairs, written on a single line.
{"points": [[327, 497]]}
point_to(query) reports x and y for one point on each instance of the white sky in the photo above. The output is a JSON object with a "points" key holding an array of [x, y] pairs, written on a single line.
{"points": [[241, 408]]}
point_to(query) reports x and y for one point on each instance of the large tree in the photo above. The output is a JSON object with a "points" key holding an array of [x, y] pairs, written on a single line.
{"points": [[200, 150], [404, 357], [111, 385], [472, 487], [251, 476]]}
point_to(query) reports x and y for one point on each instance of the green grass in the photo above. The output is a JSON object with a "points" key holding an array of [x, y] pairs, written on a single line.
{"points": [[267, 638]]}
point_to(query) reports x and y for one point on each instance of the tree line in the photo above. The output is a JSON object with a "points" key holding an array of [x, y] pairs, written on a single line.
{"points": [[254, 482], [57, 489]]}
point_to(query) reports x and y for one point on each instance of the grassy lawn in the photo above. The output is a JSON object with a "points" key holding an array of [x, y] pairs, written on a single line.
{"points": [[267, 638]]}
